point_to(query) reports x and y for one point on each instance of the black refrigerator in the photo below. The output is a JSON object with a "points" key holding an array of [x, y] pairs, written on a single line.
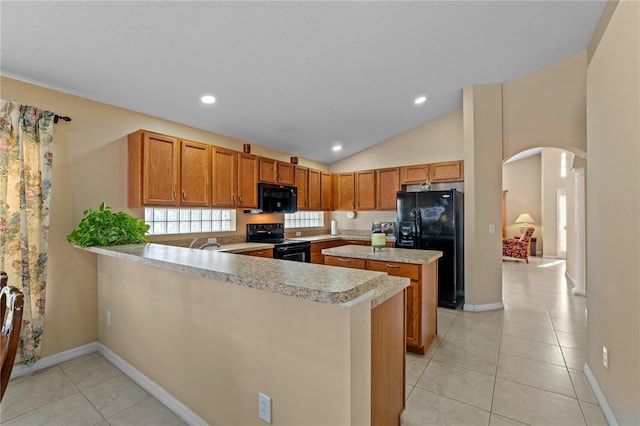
{"points": [[434, 220]]}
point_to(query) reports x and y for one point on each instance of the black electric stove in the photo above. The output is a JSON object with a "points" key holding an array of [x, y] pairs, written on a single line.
{"points": [[273, 233]]}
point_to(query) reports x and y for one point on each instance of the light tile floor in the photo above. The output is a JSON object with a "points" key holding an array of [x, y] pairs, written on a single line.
{"points": [[520, 365], [84, 391]]}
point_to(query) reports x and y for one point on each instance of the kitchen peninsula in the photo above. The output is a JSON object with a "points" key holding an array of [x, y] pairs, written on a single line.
{"points": [[214, 329]]}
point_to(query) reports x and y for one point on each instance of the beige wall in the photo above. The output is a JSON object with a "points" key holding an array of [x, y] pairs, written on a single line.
{"points": [[90, 166], [547, 108], [438, 140], [613, 212], [312, 359], [523, 179], [483, 195]]}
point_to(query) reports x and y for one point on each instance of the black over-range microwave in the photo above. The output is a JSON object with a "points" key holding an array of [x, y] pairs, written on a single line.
{"points": [[277, 198]]}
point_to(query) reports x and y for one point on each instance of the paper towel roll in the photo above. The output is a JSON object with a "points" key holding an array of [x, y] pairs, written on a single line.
{"points": [[334, 227]]}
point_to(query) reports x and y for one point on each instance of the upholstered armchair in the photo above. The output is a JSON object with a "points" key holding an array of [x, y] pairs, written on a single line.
{"points": [[518, 248]]}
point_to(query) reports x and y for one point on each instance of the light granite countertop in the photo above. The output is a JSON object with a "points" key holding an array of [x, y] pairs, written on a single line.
{"points": [[386, 254], [318, 283], [390, 287], [240, 247], [323, 238]]}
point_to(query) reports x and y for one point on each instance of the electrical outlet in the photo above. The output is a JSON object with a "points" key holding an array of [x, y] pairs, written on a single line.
{"points": [[299, 234], [109, 318], [212, 240], [492, 229], [605, 357], [264, 407]]}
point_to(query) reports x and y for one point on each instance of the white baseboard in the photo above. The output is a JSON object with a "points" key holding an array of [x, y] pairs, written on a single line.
{"points": [[571, 278], [485, 307], [604, 404], [49, 361], [180, 409]]}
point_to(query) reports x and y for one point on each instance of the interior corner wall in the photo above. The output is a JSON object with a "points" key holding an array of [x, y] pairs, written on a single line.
{"points": [[89, 167], [522, 179], [482, 106], [437, 140], [613, 213], [547, 108]]}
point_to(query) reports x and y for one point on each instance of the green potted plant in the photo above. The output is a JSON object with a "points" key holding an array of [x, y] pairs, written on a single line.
{"points": [[102, 227]]}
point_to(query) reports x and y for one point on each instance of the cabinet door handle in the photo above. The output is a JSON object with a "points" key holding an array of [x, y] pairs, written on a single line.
{"points": [[174, 194], [240, 198], [344, 260], [184, 194], [392, 266], [260, 253], [233, 197]]}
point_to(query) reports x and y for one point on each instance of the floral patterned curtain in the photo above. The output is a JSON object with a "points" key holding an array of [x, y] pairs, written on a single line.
{"points": [[26, 135]]}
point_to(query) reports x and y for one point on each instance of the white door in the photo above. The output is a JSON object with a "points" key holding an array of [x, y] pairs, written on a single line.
{"points": [[562, 223]]}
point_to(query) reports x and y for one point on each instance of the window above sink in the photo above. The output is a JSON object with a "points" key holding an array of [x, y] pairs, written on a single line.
{"points": [[163, 220]]}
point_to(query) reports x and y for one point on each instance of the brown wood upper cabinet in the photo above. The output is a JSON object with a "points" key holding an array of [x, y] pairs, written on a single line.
{"points": [[224, 177], [344, 191], [365, 190], [448, 171], [153, 169], [314, 193], [247, 181], [387, 185], [414, 174], [274, 171], [235, 179], [326, 190], [195, 174], [302, 183]]}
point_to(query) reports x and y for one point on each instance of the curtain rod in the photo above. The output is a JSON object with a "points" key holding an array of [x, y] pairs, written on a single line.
{"points": [[60, 117]]}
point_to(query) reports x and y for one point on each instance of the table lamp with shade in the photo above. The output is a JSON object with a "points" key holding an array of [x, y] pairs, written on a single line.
{"points": [[526, 220]]}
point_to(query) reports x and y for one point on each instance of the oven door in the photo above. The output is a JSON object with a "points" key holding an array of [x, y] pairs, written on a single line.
{"points": [[295, 253]]}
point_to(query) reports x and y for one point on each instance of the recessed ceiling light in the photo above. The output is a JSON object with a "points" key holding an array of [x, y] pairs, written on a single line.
{"points": [[207, 99], [420, 100], [337, 148]]}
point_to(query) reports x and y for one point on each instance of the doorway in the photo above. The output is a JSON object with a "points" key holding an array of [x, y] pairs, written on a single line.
{"points": [[561, 240]]}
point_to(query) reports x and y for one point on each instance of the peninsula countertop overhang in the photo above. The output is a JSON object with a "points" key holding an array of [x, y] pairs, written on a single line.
{"points": [[318, 283]]}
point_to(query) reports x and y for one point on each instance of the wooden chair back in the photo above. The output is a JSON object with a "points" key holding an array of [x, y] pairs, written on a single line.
{"points": [[11, 304]]}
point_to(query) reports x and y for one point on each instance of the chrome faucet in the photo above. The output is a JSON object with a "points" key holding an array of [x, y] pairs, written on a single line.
{"points": [[205, 245], [208, 244]]}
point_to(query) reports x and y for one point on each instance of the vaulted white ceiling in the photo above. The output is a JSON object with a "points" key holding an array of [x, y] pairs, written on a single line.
{"points": [[294, 76]]}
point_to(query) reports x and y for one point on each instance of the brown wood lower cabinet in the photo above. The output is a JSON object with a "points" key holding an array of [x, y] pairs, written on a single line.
{"points": [[387, 361], [259, 253], [421, 296]]}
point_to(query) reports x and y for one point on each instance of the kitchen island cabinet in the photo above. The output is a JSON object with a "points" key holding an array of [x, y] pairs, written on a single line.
{"points": [[420, 266], [220, 309]]}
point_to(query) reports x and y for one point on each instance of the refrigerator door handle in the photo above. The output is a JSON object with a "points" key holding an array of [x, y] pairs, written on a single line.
{"points": [[417, 230]]}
